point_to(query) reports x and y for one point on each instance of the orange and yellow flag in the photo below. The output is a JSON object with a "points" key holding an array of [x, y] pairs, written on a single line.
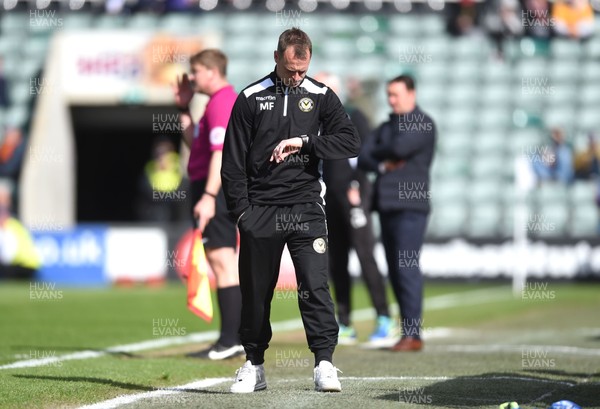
{"points": [[199, 297]]}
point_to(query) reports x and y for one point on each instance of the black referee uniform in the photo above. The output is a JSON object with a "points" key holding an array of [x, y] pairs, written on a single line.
{"points": [[282, 203]]}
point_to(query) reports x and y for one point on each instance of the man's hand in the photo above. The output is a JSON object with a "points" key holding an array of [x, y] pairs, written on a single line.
{"points": [[390, 165], [353, 194], [204, 211], [183, 92], [285, 148]]}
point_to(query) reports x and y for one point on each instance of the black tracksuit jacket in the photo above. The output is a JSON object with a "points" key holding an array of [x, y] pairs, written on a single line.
{"points": [[267, 112]]}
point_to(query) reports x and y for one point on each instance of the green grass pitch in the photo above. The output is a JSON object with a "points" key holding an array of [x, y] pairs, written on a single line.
{"points": [[483, 347]]}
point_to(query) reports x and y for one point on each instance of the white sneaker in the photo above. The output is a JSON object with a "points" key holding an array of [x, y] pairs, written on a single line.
{"points": [[326, 379], [249, 378], [218, 352]]}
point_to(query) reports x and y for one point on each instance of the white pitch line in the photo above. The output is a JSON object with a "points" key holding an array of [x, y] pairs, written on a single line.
{"points": [[559, 349], [137, 346], [432, 303], [205, 383], [125, 399]]}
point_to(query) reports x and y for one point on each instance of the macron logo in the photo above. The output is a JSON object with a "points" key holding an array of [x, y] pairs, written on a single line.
{"points": [[266, 106]]}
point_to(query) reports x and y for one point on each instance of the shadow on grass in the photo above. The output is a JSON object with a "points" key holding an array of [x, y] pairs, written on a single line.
{"points": [[113, 383], [532, 390]]}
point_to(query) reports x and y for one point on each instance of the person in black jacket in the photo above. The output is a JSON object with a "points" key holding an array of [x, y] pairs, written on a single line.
{"points": [[401, 151], [280, 129], [348, 201]]}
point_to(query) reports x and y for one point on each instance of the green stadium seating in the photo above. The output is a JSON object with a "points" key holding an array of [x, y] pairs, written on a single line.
{"points": [[484, 220], [483, 191], [549, 220], [584, 220], [583, 192], [563, 49], [448, 219], [143, 21]]}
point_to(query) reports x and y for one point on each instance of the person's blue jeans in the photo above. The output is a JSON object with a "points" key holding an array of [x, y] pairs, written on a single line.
{"points": [[402, 234]]}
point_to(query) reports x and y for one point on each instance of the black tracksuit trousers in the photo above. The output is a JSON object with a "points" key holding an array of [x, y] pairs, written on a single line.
{"points": [[264, 231]]}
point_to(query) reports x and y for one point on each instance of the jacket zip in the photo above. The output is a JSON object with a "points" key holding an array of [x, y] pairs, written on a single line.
{"points": [[285, 99]]}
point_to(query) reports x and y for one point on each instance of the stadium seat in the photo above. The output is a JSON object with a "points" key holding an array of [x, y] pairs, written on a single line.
{"points": [[589, 94], [434, 72], [448, 219], [495, 95], [549, 220], [437, 47], [461, 94], [449, 190], [592, 48], [20, 92], [583, 192], [432, 25], [465, 72], [14, 23], [458, 118], [484, 190], [455, 143], [551, 193], [584, 221], [240, 47], [497, 73], [530, 68], [106, 21], [484, 220], [490, 165], [9, 45], [430, 94], [404, 26], [16, 115], [176, 23], [77, 21], [523, 141], [590, 74], [491, 119], [563, 49], [562, 71], [588, 118], [369, 67], [490, 140], [213, 23], [36, 47], [563, 117], [339, 25], [143, 21], [470, 48]]}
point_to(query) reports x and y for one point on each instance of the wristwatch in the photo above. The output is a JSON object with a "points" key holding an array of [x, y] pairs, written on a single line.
{"points": [[304, 139]]}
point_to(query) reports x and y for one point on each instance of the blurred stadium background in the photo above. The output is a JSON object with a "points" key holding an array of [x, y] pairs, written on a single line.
{"points": [[88, 83]]}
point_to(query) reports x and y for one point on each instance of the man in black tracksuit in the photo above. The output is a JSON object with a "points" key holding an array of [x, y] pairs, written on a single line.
{"points": [[401, 151], [280, 128]]}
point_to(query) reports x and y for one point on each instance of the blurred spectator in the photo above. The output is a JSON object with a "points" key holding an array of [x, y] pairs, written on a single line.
{"points": [[587, 162], [536, 18], [503, 20], [573, 18], [18, 256], [4, 101], [347, 199], [463, 18], [12, 150], [555, 162], [401, 152], [160, 195]]}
